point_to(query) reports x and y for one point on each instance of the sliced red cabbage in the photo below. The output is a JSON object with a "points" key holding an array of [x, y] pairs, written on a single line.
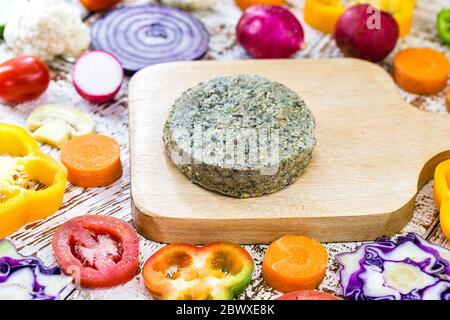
{"points": [[411, 269], [27, 278], [144, 35]]}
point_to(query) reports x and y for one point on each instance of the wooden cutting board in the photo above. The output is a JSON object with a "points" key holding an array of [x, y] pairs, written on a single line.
{"points": [[373, 153]]}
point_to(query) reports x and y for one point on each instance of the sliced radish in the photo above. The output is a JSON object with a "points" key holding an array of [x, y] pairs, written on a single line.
{"points": [[98, 76]]}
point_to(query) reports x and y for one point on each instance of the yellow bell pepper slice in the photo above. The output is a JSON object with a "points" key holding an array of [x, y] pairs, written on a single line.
{"points": [[324, 14], [442, 195], [32, 184]]}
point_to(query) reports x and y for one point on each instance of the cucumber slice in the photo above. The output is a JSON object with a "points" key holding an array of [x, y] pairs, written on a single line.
{"points": [[443, 25]]}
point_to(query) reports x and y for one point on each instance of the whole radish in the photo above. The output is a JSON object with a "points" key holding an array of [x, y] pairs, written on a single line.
{"points": [[366, 32], [269, 32]]}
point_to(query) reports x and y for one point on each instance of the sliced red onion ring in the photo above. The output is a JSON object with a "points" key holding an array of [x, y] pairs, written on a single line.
{"points": [[144, 35]]}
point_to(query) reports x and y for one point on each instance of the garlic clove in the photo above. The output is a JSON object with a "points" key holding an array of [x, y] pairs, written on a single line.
{"points": [[54, 133], [55, 124]]}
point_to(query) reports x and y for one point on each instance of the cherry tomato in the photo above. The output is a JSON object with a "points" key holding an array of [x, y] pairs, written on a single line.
{"points": [[308, 295], [23, 78], [99, 5], [98, 251]]}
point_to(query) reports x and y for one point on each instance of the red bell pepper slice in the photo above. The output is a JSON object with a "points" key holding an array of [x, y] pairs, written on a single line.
{"points": [[216, 271]]}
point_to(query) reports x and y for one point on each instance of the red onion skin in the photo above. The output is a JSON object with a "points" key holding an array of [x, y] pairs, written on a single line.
{"points": [[356, 40], [270, 32]]}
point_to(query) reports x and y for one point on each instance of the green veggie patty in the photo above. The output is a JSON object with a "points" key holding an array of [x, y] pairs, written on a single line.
{"points": [[242, 136]]}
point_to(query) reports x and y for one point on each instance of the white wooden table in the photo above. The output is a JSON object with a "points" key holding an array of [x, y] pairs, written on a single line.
{"points": [[112, 119]]}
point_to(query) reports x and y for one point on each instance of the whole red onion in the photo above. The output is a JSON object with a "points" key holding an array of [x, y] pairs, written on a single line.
{"points": [[269, 32], [362, 32]]}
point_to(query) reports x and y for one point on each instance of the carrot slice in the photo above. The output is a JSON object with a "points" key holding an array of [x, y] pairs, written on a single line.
{"points": [[92, 160], [421, 70], [294, 263]]}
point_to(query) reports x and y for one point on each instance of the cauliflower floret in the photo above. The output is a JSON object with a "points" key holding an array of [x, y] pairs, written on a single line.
{"points": [[46, 29]]}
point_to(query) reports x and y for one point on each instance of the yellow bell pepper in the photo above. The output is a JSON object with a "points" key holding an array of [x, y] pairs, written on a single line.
{"points": [[442, 195], [324, 14], [32, 184]]}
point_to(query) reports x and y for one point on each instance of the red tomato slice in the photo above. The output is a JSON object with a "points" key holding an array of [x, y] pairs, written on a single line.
{"points": [[308, 295], [101, 251]]}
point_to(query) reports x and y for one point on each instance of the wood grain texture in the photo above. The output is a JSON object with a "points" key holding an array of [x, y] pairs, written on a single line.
{"points": [[360, 185], [112, 119]]}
